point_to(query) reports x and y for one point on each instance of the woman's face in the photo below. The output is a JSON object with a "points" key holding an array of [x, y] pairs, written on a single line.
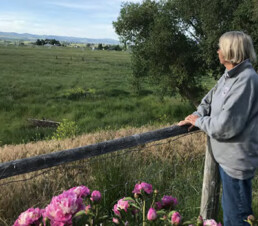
{"points": [[221, 57]]}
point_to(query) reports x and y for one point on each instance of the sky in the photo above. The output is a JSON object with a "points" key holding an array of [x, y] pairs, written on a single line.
{"points": [[77, 18]]}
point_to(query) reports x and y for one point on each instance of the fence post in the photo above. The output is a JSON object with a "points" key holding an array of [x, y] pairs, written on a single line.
{"points": [[211, 186]]}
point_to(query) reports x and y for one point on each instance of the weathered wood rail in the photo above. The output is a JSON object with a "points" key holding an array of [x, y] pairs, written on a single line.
{"points": [[210, 190]]}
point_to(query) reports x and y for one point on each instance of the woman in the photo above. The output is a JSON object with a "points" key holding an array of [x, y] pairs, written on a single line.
{"points": [[229, 116]]}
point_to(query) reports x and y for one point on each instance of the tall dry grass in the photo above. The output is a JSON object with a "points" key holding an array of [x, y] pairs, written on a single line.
{"points": [[13, 152], [113, 174]]}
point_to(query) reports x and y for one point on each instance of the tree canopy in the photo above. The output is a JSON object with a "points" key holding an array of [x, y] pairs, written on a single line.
{"points": [[174, 42], [47, 41]]}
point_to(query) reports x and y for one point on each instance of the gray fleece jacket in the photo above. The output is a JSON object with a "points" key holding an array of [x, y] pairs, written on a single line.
{"points": [[229, 116]]}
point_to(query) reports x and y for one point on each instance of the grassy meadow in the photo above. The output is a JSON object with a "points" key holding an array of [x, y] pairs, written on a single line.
{"points": [[91, 88]]}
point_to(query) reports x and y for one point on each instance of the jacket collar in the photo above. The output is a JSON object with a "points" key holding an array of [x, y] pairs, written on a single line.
{"points": [[238, 68]]}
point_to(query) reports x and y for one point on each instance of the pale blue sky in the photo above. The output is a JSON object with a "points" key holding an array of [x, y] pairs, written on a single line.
{"points": [[78, 18]]}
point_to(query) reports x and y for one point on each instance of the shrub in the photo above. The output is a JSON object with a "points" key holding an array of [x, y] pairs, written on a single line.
{"points": [[65, 129]]}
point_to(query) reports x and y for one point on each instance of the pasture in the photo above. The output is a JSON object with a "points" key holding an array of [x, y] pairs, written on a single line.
{"points": [[91, 88]]}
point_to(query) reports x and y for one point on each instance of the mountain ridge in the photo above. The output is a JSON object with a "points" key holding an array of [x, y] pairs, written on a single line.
{"points": [[34, 37]]}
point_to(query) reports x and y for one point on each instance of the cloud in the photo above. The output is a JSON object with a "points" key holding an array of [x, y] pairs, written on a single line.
{"points": [[79, 18], [80, 6]]}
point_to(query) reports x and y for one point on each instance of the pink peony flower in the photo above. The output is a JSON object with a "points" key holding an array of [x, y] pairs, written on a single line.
{"points": [[80, 191], [62, 208], [147, 187], [152, 215], [29, 217], [122, 205], [116, 211], [176, 218], [95, 196], [115, 220], [138, 188], [169, 201], [211, 222]]}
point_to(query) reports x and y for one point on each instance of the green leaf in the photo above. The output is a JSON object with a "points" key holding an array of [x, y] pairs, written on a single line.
{"points": [[80, 213], [161, 212], [171, 213], [128, 199], [188, 222], [135, 206], [104, 217]]}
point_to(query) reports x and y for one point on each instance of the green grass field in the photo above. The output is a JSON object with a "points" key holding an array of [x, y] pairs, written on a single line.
{"points": [[92, 88]]}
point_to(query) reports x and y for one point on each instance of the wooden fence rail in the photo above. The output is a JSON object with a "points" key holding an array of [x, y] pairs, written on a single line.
{"points": [[210, 186]]}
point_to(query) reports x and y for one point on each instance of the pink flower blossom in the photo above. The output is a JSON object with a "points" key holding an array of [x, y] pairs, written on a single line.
{"points": [[211, 222], [115, 220], [169, 201], [95, 196], [176, 218], [80, 191], [29, 217], [122, 205], [147, 187], [152, 215], [138, 188], [116, 211], [62, 208]]}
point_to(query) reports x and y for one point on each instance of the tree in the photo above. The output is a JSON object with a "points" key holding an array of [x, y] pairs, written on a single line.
{"points": [[174, 42], [100, 46], [38, 42]]}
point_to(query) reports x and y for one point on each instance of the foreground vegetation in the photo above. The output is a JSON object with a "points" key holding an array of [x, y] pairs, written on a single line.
{"points": [[174, 168], [91, 88]]}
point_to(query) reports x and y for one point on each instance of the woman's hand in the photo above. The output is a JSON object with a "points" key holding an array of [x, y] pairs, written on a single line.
{"points": [[189, 120]]}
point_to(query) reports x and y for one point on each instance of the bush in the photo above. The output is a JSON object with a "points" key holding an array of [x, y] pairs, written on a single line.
{"points": [[65, 129]]}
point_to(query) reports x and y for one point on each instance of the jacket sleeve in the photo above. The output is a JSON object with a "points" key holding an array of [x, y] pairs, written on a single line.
{"points": [[234, 113], [204, 108]]}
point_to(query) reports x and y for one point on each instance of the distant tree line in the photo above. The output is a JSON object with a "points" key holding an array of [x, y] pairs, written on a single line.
{"points": [[41, 42], [109, 47]]}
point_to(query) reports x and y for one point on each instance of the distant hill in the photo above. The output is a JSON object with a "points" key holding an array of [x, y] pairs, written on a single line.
{"points": [[32, 37]]}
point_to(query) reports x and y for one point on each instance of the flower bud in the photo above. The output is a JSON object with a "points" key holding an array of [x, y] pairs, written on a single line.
{"points": [[199, 221], [152, 215], [176, 218], [136, 196], [250, 219], [95, 196], [88, 209], [115, 220]]}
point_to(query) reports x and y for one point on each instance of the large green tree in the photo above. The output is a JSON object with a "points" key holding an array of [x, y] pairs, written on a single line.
{"points": [[174, 42]]}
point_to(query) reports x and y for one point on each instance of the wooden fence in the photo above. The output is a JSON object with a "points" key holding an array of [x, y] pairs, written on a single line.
{"points": [[211, 182]]}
